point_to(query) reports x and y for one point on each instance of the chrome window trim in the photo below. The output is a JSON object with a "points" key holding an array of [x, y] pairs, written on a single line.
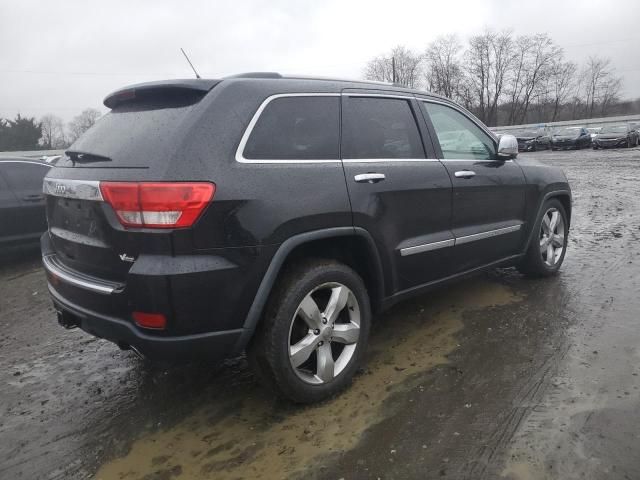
{"points": [[50, 265], [76, 189], [379, 95], [488, 234], [427, 247], [256, 116], [388, 160], [474, 160]]}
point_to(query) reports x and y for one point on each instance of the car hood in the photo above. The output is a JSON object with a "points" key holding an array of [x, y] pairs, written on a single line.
{"points": [[564, 137]]}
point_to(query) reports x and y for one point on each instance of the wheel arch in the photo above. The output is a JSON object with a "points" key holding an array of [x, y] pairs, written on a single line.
{"points": [[564, 196], [351, 245]]}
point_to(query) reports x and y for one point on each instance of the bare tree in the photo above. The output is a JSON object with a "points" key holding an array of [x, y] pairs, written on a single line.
{"points": [[561, 84], [522, 48], [83, 122], [610, 94], [542, 55], [407, 67], [443, 68], [52, 132], [600, 84], [488, 60], [500, 77]]}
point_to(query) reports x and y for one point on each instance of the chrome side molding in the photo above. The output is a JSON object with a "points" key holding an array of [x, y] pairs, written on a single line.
{"points": [[489, 234], [427, 247]]}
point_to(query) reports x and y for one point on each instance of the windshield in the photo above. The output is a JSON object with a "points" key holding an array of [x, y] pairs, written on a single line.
{"points": [[614, 129], [527, 133], [568, 131]]}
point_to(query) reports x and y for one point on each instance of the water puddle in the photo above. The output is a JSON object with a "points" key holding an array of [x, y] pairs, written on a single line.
{"points": [[245, 434]]}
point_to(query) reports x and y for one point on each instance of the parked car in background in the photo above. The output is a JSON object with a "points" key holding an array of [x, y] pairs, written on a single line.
{"points": [[530, 140], [615, 136], [22, 207], [200, 218], [593, 131], [570, 137]]}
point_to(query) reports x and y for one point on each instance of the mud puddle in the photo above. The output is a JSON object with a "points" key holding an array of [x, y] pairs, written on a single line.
{"points": [[247, 435]]}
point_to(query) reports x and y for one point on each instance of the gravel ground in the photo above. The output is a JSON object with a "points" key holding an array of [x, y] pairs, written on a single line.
{"points": [[497, 376]]}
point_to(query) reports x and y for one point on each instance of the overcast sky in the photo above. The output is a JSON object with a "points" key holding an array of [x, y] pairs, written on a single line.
{"points": [[63, 56]]}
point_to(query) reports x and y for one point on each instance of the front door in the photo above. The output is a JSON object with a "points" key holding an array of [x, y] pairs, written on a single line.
{"points": [[488, 192], [399, 192]]}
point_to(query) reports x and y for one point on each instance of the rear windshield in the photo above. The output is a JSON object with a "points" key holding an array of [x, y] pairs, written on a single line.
{"points": [[133, 135]]}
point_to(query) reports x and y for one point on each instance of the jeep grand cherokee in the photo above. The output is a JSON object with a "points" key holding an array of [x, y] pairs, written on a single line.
{"points": [[277, 215]]}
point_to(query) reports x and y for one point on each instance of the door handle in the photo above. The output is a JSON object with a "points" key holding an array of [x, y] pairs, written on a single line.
{"points": [[465, 174], [33, 198], [369, 177]]}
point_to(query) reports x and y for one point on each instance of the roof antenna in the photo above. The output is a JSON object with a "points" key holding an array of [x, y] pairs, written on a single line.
{"points": [[192, 67]]}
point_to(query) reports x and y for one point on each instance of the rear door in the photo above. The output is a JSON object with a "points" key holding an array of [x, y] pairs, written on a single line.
{"points": [[399, 192], [25, 180], [488, 193]]}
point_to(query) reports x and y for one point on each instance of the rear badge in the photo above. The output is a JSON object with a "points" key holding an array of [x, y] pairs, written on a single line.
{"points": [[126, 258]]}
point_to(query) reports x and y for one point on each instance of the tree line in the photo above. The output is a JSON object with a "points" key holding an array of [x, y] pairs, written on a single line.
{"points": [[506, 79], [47, 133]]}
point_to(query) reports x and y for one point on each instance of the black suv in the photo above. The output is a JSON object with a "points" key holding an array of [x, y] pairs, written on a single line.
{"points": [[277, 215]]}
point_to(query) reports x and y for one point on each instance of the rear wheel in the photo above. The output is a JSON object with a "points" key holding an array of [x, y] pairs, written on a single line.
{"points": [[314, 332], [549, 244]]}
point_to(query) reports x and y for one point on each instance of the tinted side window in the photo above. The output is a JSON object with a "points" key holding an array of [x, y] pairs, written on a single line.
{"points": [[459, 137], [297, 128], [24, 177], [380, 128]]}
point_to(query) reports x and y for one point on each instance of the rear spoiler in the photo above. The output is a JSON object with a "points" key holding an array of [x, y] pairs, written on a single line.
{"points": [[160, 88]]}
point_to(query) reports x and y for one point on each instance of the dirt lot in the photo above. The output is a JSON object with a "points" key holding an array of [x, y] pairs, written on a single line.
{"points": [[498, 376]]}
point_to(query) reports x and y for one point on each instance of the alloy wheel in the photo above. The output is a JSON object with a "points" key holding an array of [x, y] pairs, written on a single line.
{"points": [[324, 333], [552, 237]]}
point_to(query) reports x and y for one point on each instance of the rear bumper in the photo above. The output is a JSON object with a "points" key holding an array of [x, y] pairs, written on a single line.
{"points": [[212, 346], [204, 297]]}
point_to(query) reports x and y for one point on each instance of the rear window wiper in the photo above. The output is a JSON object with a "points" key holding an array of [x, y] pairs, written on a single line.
{"points": [[84, 157]]}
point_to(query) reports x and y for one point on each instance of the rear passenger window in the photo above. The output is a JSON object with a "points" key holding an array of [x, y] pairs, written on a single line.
{"points": [[296, 128], [380, 128]]}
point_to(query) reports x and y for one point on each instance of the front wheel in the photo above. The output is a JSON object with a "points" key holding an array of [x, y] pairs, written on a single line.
{"points": [[549, 244], [314, 333]]}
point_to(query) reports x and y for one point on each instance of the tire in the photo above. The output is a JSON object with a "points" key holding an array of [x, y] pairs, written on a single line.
{"points": [[535, 262], [310, 287]]}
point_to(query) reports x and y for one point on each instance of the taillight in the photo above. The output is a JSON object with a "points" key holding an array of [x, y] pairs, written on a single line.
{"points": [[158, 204]]}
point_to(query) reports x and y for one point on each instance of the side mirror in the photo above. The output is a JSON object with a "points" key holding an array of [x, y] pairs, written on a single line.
{"points": [[507, 147]]}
